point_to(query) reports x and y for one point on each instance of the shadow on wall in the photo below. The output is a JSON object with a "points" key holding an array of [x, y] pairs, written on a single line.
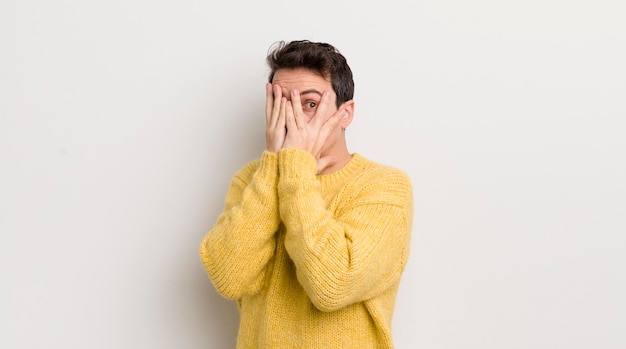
{"points": [[218, 316], [238, 141]]}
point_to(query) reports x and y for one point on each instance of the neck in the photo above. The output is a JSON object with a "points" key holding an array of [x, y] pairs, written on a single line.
{"points": [[342, 157]]}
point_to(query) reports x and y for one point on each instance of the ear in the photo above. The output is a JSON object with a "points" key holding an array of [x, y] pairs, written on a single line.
{"points": [[347, 110]]}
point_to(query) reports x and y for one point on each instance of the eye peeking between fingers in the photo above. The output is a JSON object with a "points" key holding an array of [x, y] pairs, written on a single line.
{"points": [[309, 106]]}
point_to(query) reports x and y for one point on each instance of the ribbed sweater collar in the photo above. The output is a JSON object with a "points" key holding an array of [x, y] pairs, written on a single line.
{"points": [[356, 164]]}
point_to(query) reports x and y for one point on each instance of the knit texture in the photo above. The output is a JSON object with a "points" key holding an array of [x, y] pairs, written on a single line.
{"points": [[314, 261]]}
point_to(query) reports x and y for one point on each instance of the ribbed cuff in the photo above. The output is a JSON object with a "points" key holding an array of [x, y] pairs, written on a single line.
{"points": [[296, 163], [269, 162]]}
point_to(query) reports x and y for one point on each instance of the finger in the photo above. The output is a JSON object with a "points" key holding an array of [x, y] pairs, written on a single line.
{"points": [[319, 116], [280, 120], [330, 124], [282, 110], [297, 108], [290, 121], [282, 115], [269, 102], [278, 95], [325, 131], [325, 162]]}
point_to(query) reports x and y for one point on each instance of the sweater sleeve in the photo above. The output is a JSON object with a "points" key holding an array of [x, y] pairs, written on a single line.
{"points": [[358, 251], [237, 250]]}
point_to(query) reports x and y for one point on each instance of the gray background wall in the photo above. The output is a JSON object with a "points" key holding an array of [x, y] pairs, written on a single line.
{"points": [[121, 123]]}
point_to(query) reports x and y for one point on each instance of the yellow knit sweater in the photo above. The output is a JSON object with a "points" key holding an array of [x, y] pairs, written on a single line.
{"points": [[314, 261]]}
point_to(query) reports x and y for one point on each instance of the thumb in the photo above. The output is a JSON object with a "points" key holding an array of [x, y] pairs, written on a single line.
{"points": [[325, 162]]}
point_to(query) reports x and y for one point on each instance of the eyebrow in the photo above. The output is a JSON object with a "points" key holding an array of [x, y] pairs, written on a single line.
{"points": [[305, 92]]}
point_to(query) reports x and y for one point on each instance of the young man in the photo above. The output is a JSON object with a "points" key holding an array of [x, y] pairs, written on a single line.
{"points": [[313, 239]]}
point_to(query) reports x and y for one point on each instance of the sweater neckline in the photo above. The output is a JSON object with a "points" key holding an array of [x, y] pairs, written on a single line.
{"points": [[354, 166]]}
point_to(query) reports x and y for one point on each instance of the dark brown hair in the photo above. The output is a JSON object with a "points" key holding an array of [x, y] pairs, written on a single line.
{"points": [[321, 58]]}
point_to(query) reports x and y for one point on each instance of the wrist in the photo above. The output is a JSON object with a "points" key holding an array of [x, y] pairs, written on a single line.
{"points": [[302, 147], [274, 148]]}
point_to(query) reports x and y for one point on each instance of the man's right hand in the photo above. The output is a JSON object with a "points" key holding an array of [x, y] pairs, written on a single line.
{"points": [[275, 109]]}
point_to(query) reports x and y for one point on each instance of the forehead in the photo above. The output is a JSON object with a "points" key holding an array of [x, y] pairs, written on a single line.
{"points": [[301, 79]]}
